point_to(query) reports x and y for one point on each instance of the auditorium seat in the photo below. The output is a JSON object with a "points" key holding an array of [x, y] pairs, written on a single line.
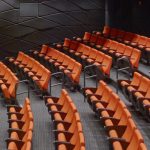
{"points": [[137, 91], [113, 33], [131, 39], [106, 31], [15, 146], [135, 142], [126, 136], [57, 61], [117, 50], [8, 84], [110, 107], [118, 126], [103, 98], [146, 109], [123, 84], [20, 130], [141, 97], [142, 88], [135, 58], [67, 123], [134, 41], [87, 56], [36, 53], [17, 109], [146, 50], [142, 42], [106, 116], [29, 68], [100, 42], [114, 115], [90, 92], [120, 34]]}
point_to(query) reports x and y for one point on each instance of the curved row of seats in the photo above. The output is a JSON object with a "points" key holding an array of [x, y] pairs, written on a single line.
{"points": [[112, 48], [87, 56], [138, 92], [8, 84], [132, 39], [31, 69], [58, 61], [121, 129], [20, 130], [68, 128]]}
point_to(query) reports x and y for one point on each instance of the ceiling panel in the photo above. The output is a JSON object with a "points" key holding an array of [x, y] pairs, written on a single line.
{"points": [[63, 5], [16, 30], [62, 19], [40, 23], [12, 3], [13, 16], [5, 23], [46, 10], [4, 6], [54, 20]]}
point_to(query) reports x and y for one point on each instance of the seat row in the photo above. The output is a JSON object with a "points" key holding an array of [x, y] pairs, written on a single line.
{"points": [[8, 84], [138, 92], [112, 48], [67, 124], [117, 120], [58, 61], [88, 56], [132, 39], [29, 68], [20, 130]]}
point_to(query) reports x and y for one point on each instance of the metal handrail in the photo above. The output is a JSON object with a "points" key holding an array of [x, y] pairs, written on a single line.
{"points": [[60, 83], [28, 91], [92, 76], [117, 76]]}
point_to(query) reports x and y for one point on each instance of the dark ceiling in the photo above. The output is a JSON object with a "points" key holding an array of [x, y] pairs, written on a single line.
{"points": [[26, 24]]}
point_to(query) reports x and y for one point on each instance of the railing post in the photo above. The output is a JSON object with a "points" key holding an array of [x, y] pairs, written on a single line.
{"points": [[84, 73], [117, 76], [51, 85]]}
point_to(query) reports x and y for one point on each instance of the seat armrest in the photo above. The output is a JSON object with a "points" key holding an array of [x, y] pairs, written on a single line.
{"points": [[20, 132], [66, 124], [123, 142], [147, 106], [96, 95], [113, 139], [142, 98], [19, 143], [19, 115], [120, 129], [59, 106], [99, 110], [68, 134], [114, 120], [104, 103], [55, 99], [67, 144], [17, 108], [19, 122], [139, 91], [89, 88], [128, 81], [62, 114]]}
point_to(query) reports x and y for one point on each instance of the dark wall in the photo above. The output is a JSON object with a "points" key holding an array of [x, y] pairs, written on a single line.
{"points": [[25, 25], [130, 15], [140, 19]]}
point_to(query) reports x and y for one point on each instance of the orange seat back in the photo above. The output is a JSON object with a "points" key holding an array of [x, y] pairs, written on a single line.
{"points": [[135, 57], [106, 31], [86, 36]]}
